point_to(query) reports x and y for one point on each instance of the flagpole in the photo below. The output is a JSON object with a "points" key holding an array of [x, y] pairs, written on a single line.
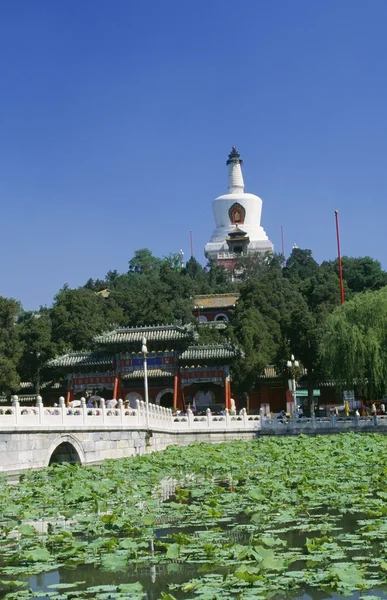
{"points": [[339, 257]]}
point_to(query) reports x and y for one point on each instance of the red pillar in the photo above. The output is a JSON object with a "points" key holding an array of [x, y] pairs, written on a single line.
{"points": [[342, 298], [70, 393], [175, 391], [227, 392], [116, 384]]}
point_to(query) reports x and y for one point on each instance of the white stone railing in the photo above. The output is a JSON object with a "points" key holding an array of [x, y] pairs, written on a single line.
{"points": [[228, 420], [159, 418], [82, 417], [316, 424]]}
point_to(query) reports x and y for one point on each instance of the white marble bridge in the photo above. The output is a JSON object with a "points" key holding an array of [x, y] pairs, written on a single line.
{"points": [[36, 436]]}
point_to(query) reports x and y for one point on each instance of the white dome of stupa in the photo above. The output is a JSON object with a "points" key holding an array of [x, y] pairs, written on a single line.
{"points": [[236, 209]]}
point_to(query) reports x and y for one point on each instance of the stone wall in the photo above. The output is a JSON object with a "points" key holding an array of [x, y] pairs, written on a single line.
{"points": [[24, 450]]}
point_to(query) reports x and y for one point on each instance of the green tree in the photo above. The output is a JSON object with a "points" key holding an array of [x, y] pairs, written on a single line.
{"points": [[362, 274], [353, 345], [262, 320], [199, 275], [153, 297], [79, 314], [300, 266], [220, 280], [144, 263], [35, 331], [10, 345], [252, 332], [319, 287], [255, 264]]}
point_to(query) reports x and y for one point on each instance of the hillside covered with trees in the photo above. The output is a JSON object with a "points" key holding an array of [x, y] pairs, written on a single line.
{"points": [[281, 310]]}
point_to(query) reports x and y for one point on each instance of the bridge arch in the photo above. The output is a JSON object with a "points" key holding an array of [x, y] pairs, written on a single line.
{"points": [[65, 448]]}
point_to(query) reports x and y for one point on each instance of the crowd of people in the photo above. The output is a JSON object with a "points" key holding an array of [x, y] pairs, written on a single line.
{"points": [[364, 411]]}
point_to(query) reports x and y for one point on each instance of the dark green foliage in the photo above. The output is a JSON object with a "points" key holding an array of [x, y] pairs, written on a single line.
{"points": [[219, 279], [354, 343], [78, 315], [144, 263], [280, 311], [249, 520], [10, 344], [320, 291], [256, 264], [361, 274], [35, 332], [263, 321]]}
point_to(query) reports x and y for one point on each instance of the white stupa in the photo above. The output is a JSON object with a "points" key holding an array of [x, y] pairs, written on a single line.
{"points": [[237, 219]]}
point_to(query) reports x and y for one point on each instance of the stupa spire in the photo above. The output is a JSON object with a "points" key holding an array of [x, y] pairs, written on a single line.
{"points": [[235, 178]]}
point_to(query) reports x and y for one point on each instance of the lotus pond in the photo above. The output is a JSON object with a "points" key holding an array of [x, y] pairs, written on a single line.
{"points": [[295, 517]]}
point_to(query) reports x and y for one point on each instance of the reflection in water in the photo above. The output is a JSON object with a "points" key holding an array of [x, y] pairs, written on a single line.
{"points": [[155, 578]]}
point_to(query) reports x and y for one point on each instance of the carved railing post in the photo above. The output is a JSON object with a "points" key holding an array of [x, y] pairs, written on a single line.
{"points": [[190, 418], [243, 414], [227, 417], [62, 408], [40, 407], [152, 416], [83, 408], [103, 410], [170, 418], [142, 413], [16, 409], [138, 412], [209, 417], [120, 407]]}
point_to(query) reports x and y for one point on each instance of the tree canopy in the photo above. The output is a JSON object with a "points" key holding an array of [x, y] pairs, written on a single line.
{"points": [[35, 334], [281, 311], [354, 343], [10, 344]]}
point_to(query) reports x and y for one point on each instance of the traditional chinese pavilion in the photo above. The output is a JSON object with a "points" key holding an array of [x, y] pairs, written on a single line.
{"points": [[180, 372], [215, 307]]}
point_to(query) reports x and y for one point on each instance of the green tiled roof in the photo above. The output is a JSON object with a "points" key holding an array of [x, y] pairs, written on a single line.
{"points": [[134, 335], [152, 373], [81, 359], [211, 352]]}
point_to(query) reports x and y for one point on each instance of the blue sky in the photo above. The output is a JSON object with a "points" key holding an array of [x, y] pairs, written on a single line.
{"points": [[117, 117]]}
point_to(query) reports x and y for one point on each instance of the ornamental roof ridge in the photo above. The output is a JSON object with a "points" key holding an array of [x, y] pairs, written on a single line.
{"points": [[80, 352], [81, 358], [212, 351], [163, 333], [227, 344], [224, 294], [125, 329], [227, 300]]}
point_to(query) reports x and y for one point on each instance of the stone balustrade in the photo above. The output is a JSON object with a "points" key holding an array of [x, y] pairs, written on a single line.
{"points": [[37, 436], [62, 417], [82, 417], [316, 425]]}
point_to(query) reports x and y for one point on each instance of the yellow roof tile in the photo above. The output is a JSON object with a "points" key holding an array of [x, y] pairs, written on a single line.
{"points": [[216, 300]]}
